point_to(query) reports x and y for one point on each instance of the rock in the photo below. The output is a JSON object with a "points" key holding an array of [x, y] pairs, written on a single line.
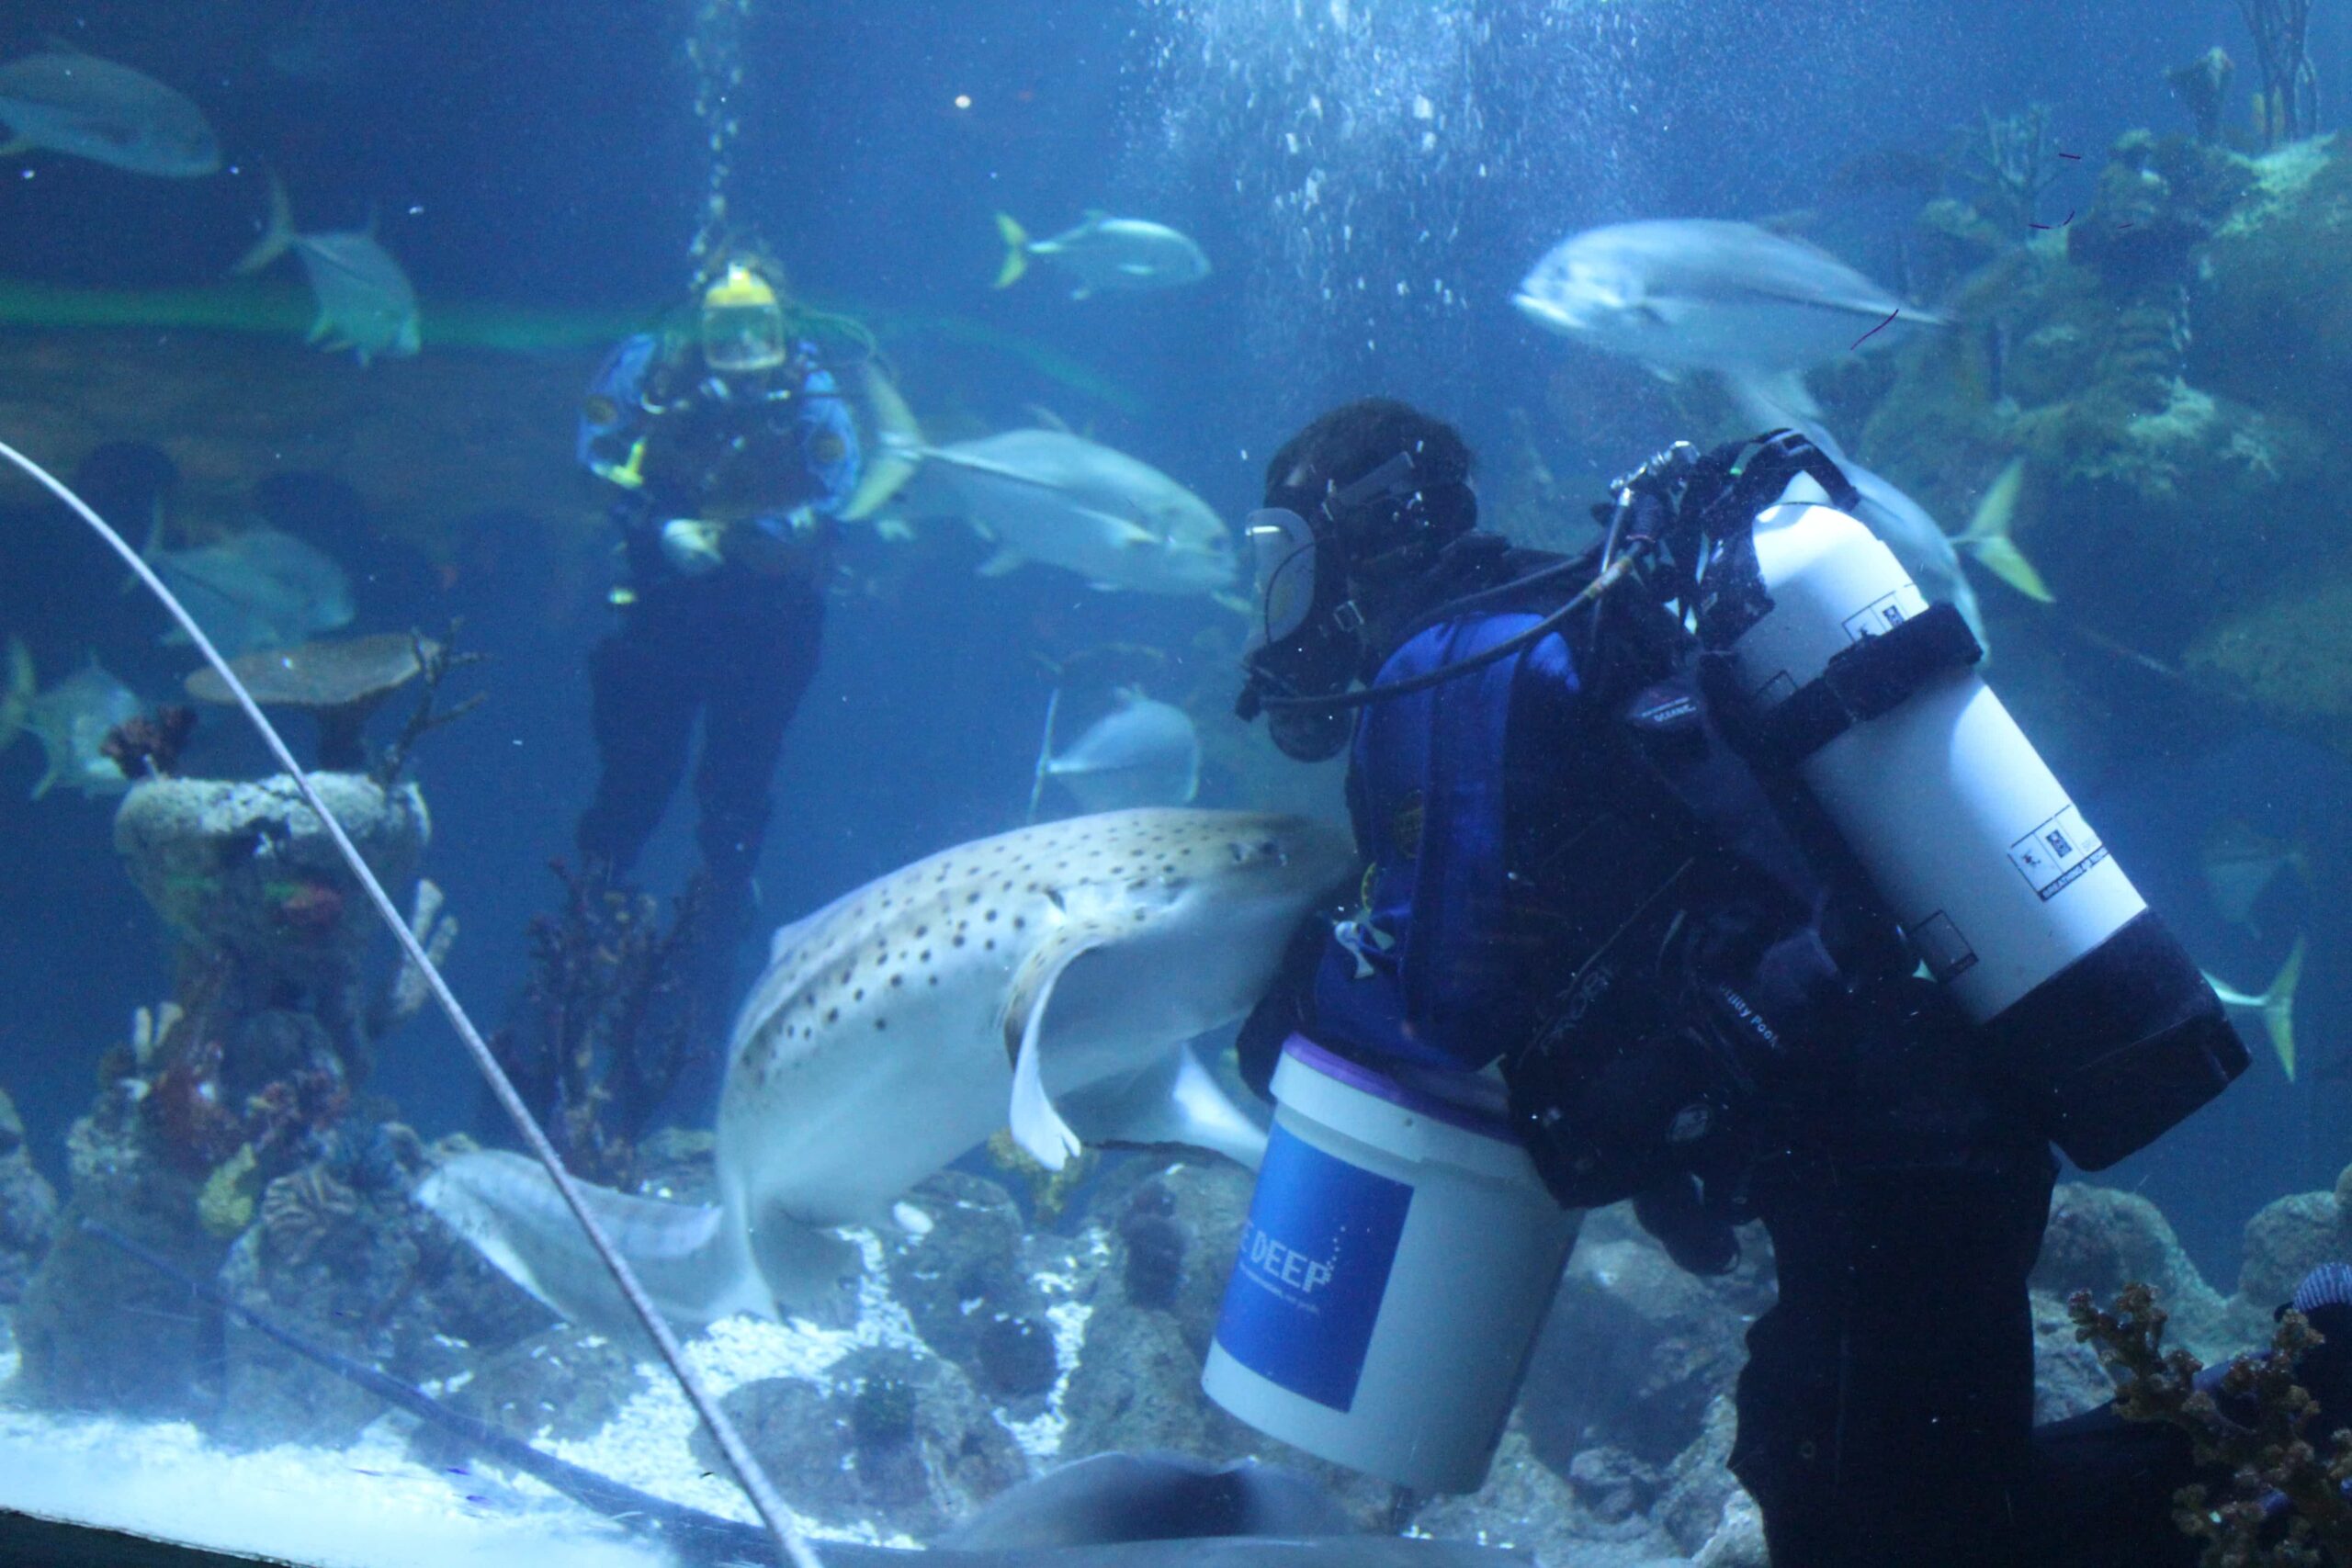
{"points": [[221, 860], [2100, 1239], [965, 1278], [1525, 1504], [2068, 1378], [1699, 1483], [28, 1207], [564, 1382], [246, 873], [1611, 1484], [2286, 1240], [98, 1329], [1174, 1228], [893, 1438], [340, 1256], [1137, 1387], [1738, 1541], [1637, 1349]]}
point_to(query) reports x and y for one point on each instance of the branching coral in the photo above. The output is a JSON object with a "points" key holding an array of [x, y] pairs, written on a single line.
{"points": [[2287, 106], [2286, 1505], [2008, 163], [609, 1022]]}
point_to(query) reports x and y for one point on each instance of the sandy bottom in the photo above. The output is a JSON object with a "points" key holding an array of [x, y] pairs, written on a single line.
{"points": [[370, 1504]]}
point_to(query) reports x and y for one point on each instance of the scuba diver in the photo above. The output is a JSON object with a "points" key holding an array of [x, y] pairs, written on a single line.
{"points": [[1593, 866], [728, 453]]}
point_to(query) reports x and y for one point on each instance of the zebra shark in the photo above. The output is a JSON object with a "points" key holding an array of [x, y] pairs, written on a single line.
{"points": [[1048, 977]]}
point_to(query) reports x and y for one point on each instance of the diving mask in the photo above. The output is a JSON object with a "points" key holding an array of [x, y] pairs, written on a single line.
{"points": [[742, 324]]}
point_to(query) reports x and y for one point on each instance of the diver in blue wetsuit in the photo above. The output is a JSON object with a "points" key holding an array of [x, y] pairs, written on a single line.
{"points": [[1693, 994], [726, 456]]}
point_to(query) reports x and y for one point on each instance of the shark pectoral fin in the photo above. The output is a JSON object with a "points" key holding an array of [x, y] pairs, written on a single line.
{"points": [[1175, 1102], [1006, 560], [1036, 1125]]}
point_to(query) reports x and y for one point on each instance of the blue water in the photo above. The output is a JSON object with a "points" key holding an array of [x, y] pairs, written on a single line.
{"points": [[527, 154]]}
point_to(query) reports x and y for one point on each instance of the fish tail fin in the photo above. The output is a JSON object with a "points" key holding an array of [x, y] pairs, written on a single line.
{"points": [[1044, 756], [1774, 400], [17, 701], [274, 239], [1987, 536], [1017, 250], [897, 454], [2279, 1006], [689, 1257]]}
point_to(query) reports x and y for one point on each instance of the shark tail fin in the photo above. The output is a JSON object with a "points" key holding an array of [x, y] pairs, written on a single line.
{"points": [[1987, 537], [17, 701], [899, 451], [690, 1259], [274, 239], [1017, 250], [1044, 756]]}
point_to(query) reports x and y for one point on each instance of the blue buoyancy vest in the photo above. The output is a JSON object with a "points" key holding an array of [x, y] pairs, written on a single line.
{"points": [[1434, 968]]}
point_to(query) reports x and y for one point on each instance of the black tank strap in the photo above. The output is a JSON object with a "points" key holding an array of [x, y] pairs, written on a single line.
{"points": [[1862, 682]]}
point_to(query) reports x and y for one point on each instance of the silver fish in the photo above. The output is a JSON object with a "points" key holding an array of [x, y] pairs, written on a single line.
{"points": [[2241, 862], [71, 720], [1051, 497], [366, 302], [1688, 294], [1106, 255], [70, 102], [1140, 753], [1056, 970], [257, 588]]}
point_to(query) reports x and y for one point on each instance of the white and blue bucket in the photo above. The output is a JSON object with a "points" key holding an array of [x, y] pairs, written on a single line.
{"points": [[1401, 1257]]}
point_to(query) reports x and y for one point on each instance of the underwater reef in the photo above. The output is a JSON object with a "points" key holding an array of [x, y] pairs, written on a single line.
{"points": [[2171, 355], [992, 1337]]}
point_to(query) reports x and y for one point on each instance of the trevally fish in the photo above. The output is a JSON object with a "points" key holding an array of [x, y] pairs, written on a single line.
{"points": [[70, 102], [1051, 497], [260, 588], [1106, 254], [1048, 977], [1685, 294], [2241, 862], [366, 302], [71, 720], [2275, 1006], [1140, 753]]}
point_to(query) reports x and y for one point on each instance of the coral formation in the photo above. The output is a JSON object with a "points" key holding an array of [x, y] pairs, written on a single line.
{"points": [[607, 1023], [28, 1206], [2250, 1425], [2287, 106], [149, 745]]}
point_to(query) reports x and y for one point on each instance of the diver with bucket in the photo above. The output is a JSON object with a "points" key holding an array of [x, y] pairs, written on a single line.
{"points": [[1668, 833]]}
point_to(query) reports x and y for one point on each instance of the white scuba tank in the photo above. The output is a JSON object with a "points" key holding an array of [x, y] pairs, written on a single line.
{"points": [[1970, 838], [2007, 892]]}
